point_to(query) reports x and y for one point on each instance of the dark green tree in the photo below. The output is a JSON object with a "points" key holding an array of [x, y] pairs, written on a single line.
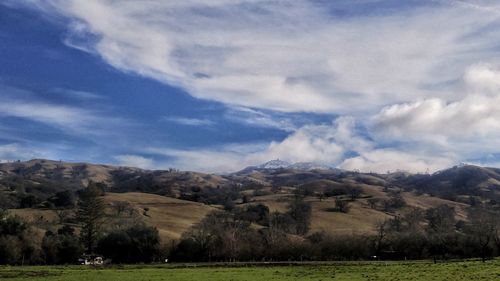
{"points": [[90, 214], [116, 246], [63, 199], [61, 248]]}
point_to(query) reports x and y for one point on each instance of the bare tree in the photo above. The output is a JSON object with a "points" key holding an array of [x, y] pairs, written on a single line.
{"points": [[483, 229], [379, 238]]}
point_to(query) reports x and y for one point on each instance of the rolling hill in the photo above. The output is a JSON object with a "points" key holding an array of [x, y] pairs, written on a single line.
{"points": [[173, 200]]}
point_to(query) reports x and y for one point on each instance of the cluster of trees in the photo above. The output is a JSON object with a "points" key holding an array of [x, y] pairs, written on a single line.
{"points": [[62, 247], [61, 199], [353, 192], [437, 234], [248, 233], [211, 195], [418, 234], [127, 243], [132, 245], [16, 244]]}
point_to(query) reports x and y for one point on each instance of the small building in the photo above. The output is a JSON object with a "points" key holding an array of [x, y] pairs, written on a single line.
{"points": [[91, 260]]}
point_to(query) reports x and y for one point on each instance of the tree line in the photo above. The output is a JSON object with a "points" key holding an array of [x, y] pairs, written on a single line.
{"points": [[431, 234], [251, 232]]}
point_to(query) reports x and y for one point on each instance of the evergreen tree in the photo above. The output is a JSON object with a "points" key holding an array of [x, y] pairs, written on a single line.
{"points": [[90, 214]]}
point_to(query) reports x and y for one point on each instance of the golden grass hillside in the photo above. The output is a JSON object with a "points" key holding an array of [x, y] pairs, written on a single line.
{"points": [[171, 216], [361, 218]]}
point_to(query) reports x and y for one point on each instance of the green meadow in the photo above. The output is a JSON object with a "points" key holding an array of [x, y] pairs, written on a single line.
{"points": [[386, 271]]}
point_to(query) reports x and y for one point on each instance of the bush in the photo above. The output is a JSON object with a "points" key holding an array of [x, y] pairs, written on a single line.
{"points": [[341, 206], [394, 203], [63, 199], [61, 248], [254, 213]]}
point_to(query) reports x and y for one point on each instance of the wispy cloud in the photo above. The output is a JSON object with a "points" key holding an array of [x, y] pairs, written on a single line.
{"points": [[203, 160], [83, 95], [19, 103], [255, 118], [8, 151], [17, 151], [56, 115], [188, 121]]}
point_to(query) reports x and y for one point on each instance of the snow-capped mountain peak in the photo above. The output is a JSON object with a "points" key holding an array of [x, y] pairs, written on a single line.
{"points": [[280, 164]]}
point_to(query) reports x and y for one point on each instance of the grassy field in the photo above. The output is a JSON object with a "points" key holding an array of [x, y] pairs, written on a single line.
{"points": [[467, 270]]}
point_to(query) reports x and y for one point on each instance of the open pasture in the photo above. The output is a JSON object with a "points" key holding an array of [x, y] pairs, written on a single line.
{"points": [[421, 270]]}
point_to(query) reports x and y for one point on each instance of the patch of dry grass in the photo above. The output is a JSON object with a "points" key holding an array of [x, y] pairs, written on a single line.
{"points": [[359, 220], [171, 216]]}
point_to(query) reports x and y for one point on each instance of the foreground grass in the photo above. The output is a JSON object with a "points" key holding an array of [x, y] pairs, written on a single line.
{"points": [[452, 271]]}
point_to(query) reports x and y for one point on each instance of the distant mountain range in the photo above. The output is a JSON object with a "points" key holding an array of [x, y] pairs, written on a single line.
{"points": [[45, 178]]}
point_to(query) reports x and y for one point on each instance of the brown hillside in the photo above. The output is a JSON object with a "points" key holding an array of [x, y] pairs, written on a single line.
{"points": [[171, 216]]}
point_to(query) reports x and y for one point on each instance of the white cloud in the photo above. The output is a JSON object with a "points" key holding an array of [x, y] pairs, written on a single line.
{"points": [[135, 161], [391, 160], [483, 79], [311, 143], [287, 56], [468, 125]]}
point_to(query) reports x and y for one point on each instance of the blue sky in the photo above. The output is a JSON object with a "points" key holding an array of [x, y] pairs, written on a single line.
{"points": [[218, 85]]}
